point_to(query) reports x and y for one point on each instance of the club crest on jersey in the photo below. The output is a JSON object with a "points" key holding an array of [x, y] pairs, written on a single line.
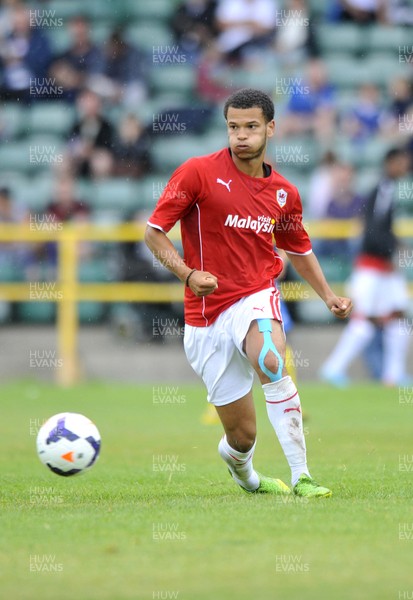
{"points": [[281, 197]]}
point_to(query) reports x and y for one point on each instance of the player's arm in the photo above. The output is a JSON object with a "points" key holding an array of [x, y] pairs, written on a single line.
{"points": [[309, 268], [292, 237], [176, 200], [201, 283]]}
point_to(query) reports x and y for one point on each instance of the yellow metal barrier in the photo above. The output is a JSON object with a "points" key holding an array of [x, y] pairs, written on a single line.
{"points": [[67, 291]]}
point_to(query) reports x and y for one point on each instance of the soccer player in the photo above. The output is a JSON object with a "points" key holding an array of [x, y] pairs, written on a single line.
{"points": [[378, 288], [230, 204]]}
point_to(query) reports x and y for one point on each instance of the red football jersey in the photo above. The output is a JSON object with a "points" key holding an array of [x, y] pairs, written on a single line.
{"points": [[228, 220]]}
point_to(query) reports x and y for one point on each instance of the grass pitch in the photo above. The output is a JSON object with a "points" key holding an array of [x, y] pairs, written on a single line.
{"points": [[159, 517]]}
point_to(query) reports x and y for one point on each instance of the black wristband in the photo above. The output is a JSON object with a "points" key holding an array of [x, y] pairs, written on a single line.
{"points": [[189, 275]]}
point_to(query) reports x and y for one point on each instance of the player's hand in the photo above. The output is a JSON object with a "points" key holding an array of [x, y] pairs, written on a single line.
{"points": [[340, 307], [203, 283]]}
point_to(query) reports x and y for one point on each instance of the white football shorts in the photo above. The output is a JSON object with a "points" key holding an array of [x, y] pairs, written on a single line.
{"points": [[377, 293], [215, 353]]}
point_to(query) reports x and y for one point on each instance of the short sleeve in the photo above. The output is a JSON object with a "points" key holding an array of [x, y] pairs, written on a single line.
{"points": [[289, 232], [180, 194]]}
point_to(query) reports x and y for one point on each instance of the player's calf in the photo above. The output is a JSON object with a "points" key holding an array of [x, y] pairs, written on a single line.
{"points": [[284, 413]]}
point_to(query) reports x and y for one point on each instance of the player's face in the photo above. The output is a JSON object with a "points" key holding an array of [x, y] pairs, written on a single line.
{"points": [[248, 132]]}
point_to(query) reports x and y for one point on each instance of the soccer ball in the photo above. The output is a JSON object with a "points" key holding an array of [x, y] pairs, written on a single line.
{"points": [[68, 443]]}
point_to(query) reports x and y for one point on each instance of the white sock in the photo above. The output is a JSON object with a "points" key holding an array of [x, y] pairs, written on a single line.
{"points": [[240, 465], [284, 413], [354, 339], [395, 347]]}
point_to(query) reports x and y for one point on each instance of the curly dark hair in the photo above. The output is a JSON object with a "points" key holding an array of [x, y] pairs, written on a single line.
{"points": [[250, 98]]}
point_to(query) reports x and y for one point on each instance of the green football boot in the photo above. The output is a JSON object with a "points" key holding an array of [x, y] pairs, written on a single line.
{"points": [[268, 485], [306, 487]]}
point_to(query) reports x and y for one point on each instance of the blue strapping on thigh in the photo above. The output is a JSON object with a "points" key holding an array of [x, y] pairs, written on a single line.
{"points": [[265, 326]]}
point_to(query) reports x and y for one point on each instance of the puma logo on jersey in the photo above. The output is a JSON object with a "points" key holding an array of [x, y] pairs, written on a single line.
{"points": [[223, 183]]}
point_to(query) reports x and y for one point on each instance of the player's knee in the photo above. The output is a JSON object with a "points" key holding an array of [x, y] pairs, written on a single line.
{"points": [[272, 363], [271, 368]]}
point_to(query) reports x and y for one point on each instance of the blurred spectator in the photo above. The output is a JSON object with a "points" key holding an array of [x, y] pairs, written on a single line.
{"points": [[213, 74], [131, 148], [124, 76], [361, 11], [401, 98], [398, 12], [321, 187], [18, 259], [311, 107], [245, 25], [66, 207], [101, 164], [295, 39], [83, 59], [402, 95], [406, 125], [146, 320], [402, 131], [6, 206], [344, 203], [409, 145], [138, 262], [378, 289], [6, 9], [363, 120], [12, 255], [11, 212], [90, 133], [25, 56], [186, 118], [193, 25]]}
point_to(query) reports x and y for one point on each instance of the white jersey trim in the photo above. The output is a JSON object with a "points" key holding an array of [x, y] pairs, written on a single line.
{"points": [[201, 258], [155, 226], [298, 253]]}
